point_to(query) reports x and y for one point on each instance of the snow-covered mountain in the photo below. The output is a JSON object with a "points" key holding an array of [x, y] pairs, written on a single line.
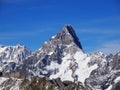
{"points": [[54, 51], [62, 56], [12, 56], [106, 76]]}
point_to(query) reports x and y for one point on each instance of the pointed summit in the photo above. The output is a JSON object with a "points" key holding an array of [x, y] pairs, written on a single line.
{"points": [[68, 35], [55, 51]]}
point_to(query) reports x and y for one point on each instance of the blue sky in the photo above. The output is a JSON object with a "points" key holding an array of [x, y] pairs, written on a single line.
{"points": [[31, 22]]}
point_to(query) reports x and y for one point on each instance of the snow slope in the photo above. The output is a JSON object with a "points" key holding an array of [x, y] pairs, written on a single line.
{"points": [[73, 68]]}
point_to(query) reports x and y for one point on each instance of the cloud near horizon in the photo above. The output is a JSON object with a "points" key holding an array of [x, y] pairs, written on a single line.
{"points": [[110, 47]]}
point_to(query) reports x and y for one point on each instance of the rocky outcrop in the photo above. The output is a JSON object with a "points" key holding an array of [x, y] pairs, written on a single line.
{"points": [[37, 83]]}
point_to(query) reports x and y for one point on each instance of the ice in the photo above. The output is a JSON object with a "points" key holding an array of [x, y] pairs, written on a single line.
{"points": [[109, 88], [53, 36], [117, 79], [53, 65], [119, 54], [63, 69], [45, 42], [50, 53], [2, 49], [0, 69]]}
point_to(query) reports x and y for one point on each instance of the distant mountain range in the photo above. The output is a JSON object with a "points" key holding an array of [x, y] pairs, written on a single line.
{"points": [[60, 64]]}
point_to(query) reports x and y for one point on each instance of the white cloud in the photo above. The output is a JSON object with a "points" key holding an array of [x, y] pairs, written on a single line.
{"points": [[110, 47]]}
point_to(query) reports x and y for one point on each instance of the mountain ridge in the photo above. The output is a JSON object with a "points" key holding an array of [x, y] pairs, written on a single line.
{"points": [[10, 56], [62, 57]]}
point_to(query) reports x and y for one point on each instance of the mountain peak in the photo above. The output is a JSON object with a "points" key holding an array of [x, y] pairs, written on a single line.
{"points": [[68, 32], [67, 28]]}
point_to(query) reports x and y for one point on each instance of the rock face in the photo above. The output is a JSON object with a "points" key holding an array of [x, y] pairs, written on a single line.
{"points": [[62, 58], [38, 83]]}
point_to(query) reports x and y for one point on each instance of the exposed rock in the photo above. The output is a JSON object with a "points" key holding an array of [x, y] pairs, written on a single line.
{"points": [[37, 83]]}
